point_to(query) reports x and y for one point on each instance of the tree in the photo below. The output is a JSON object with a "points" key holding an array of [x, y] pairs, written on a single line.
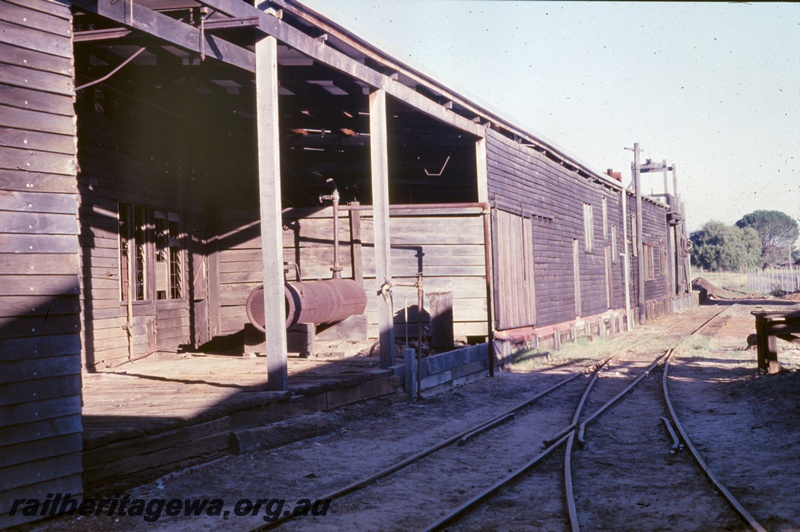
{"points": [[778, 232], [721, 247]]}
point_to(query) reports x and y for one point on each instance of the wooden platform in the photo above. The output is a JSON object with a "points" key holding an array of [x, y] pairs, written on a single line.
{"points": [[155, 415]]}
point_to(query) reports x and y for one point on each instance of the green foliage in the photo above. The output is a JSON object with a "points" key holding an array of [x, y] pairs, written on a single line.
{"points": [[778, 232], [721, 247]]}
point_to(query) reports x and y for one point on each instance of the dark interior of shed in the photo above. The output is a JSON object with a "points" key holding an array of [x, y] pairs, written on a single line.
{"points": [[324, 120]]}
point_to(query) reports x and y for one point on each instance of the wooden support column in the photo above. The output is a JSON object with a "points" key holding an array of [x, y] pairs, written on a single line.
{"points": [[379, 148], [482, 170], [269, 186]]}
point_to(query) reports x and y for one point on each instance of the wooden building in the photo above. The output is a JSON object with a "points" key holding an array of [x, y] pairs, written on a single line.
{"points": [[159, 159]]}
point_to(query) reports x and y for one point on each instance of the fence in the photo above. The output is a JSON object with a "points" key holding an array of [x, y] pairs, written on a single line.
{"points": [[784, 281]]}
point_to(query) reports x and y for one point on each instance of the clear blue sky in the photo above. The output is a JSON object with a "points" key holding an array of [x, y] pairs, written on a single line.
{"points": [[712, 87]]}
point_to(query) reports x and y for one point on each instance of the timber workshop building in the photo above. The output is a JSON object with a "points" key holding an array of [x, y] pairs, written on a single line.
{"points": [[161, 159]]}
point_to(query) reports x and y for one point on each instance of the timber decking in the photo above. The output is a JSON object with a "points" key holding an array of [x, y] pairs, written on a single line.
{"points": [[156, 415]]}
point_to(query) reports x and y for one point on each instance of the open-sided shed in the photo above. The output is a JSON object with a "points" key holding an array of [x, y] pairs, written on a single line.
{"points": [[160, 159]]}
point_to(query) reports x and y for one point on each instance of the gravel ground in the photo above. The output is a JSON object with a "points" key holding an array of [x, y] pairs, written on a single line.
{"points": [[747, 426]]}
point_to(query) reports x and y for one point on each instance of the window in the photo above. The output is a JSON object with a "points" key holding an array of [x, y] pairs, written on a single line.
{"points": [[169, 255], [614, 253], [588, 228], [145, 234], [649, 266], [634, 240], [605, 218], [133, 236], [662, 253]]}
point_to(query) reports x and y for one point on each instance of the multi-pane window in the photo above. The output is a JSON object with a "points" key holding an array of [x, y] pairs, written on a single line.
{"points": [[614, 244], [588, 228], [133, 237], [605, 218], [144, 235], [169, 255]]}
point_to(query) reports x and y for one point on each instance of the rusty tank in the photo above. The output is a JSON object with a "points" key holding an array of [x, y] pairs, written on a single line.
{"points": [[317, 302]]}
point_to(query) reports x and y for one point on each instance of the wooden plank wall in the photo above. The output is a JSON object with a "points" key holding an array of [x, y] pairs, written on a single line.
{"points": [[141, 158], [448, 248], [552, 195], [656, 230], [40, 386]]}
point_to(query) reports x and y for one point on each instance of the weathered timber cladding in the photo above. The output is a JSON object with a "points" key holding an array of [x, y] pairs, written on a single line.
{"points": [[138, 156], [448, 249], [527, 183], [40, 426]]}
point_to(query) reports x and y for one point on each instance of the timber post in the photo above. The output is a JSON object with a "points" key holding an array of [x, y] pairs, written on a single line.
{"points": [[379, 141], [269, 186]]}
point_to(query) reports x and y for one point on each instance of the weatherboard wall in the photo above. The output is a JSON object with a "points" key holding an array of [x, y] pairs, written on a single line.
{"points": [[40, 385], [549, 198], [446, 247]]}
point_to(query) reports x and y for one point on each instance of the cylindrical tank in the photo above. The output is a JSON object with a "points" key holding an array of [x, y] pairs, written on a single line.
{"points": [[317, 302]]}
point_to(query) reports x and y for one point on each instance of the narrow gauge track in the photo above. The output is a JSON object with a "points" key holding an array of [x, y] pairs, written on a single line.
{"points": [[504, 442], [616, 517]]}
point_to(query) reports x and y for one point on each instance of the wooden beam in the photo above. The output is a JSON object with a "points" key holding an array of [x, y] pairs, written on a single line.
{"points": [[323, 53], [134, 15], [101, 35], [380, 204], [269, 184]]}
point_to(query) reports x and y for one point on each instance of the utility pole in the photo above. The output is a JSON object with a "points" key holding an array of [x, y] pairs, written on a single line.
{"points": [[637, 177]]}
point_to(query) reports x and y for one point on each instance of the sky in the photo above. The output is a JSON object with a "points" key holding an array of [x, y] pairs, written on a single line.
{"points": [[713, 88]]}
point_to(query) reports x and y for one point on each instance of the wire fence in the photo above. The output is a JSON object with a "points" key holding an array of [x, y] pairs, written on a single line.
{"points": [[773, 281]]}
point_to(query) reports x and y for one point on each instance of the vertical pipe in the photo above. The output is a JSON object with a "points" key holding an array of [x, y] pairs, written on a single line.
{"points": [[337, 267], [420, 304], [380, 208], [667, 257], [269, 184], [675, 180], [637, 178], [487, 257], [131, 293], [626, 261]]}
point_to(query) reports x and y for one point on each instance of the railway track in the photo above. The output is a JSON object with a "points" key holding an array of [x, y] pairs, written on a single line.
{"points": [[484, 460]]}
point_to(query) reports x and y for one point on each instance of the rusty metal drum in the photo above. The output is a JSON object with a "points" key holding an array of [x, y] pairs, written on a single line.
{"points": [[317, 302]]}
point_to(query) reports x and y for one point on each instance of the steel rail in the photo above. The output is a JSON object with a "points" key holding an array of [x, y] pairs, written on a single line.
{"points": [[664, 356], [574, 424], [481, 427], [564, 436], [567, 435], [735, 504], [597, 413], [676, 442], [453, 516], [571, 508]]}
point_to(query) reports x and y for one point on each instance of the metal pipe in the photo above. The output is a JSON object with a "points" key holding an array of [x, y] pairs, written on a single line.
{"points": [[133, 56], [431, 206], [487, 260], [626, 263], [637, 178], [334, 197], [419, 334]]}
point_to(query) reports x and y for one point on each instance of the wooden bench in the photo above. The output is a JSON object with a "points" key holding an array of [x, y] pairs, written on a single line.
{"points": [[769, 327]]}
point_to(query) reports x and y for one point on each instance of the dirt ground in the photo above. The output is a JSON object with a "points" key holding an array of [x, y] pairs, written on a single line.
{"points": [[746, 425]]}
